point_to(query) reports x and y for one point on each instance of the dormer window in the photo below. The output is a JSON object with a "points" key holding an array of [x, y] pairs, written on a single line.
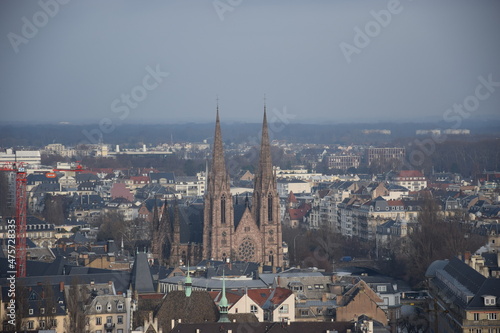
{"points": [[120, 307], [490, 300], [98, 308], [108, 307], [30, 311]]}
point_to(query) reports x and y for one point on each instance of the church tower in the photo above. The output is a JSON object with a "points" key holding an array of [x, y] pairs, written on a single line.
{"points": [[218, 226], [265, 203]]}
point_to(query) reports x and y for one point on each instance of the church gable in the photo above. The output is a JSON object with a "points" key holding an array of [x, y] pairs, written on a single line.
{"points": [[248, 239]]}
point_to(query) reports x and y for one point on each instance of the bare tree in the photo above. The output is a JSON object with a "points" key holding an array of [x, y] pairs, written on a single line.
{"points": [[76, 297]]}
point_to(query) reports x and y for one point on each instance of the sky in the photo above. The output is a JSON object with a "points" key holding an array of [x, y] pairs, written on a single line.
{"points": [[314, 61]]}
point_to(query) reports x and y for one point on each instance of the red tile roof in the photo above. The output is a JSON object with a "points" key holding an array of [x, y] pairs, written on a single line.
{"points": [[232, 297], [260, 296], [410, 173]]}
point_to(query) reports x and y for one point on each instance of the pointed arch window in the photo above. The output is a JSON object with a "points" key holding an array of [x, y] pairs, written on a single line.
{"points": [[223, 209], [270, 207]]}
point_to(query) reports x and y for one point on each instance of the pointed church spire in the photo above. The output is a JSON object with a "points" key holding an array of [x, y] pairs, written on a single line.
{"points": [[188, 283], [264, 180], [223, 304], [218, 163], [265, 163]]}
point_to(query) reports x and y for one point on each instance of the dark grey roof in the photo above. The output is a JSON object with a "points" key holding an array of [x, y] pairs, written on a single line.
{"points": [[85, 185], [239, 209], [191, 222], [465, 275], [92, 201], [47, 187], [276, 327], [33, 178], [86, 177], [142, 280]]}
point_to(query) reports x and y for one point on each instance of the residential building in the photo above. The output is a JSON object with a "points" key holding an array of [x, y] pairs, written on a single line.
{"points": [[385, 154], [463, 300], [413, 180], [343, 161]]}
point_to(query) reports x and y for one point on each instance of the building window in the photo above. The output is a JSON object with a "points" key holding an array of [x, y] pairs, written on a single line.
{"points": [[223, 209], [490, 300], [53, 323], [254, 309], [30, 311], [98, 321], [42, 310], [492, 316], [42, 324], [31, 324], [120, 320], [119, 331], [381, 288], [98, 307], [304, 313], [108, 307], [120, 306], [284, 308], [476, 316], [270, 207], [109, 320]]}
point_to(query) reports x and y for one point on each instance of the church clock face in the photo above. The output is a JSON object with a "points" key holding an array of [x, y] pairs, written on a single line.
{"points": [[246, 250]]}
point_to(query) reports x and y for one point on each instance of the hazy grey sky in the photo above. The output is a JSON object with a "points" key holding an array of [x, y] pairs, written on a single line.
{"points": [[83, 58]]}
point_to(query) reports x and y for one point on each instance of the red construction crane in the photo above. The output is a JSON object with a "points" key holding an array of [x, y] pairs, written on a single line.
{"points": [[21, 202]]}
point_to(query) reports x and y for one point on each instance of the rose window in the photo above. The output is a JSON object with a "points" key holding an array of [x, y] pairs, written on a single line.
{"points": [[246, 250]]}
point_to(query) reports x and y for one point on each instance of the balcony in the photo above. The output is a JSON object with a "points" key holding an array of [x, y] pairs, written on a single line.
{"points": [[109, 326]]}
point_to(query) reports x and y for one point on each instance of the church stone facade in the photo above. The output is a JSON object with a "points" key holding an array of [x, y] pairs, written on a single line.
{"points": [[255, 233]]}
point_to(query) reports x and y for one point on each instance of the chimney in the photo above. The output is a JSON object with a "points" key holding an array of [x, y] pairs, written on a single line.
{"points": [[61, 286], [467, 257]]}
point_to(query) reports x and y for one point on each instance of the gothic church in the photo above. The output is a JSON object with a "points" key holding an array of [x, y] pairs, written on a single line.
{"points": [[242, 232], [223, 229]]}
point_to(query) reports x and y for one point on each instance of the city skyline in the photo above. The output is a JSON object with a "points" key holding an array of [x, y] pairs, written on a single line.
{"points": [[320, 62]]}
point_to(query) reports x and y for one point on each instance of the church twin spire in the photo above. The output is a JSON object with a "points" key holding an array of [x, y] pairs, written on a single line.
{"points": [[260, 237]]}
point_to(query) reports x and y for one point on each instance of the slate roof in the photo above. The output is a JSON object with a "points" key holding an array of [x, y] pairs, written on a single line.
{"points": [[216, 284], [104, 300], [85, 177], [92, 201], [198, 308], [141, 278], [33, 178], [268, 327], [469, 286]]}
